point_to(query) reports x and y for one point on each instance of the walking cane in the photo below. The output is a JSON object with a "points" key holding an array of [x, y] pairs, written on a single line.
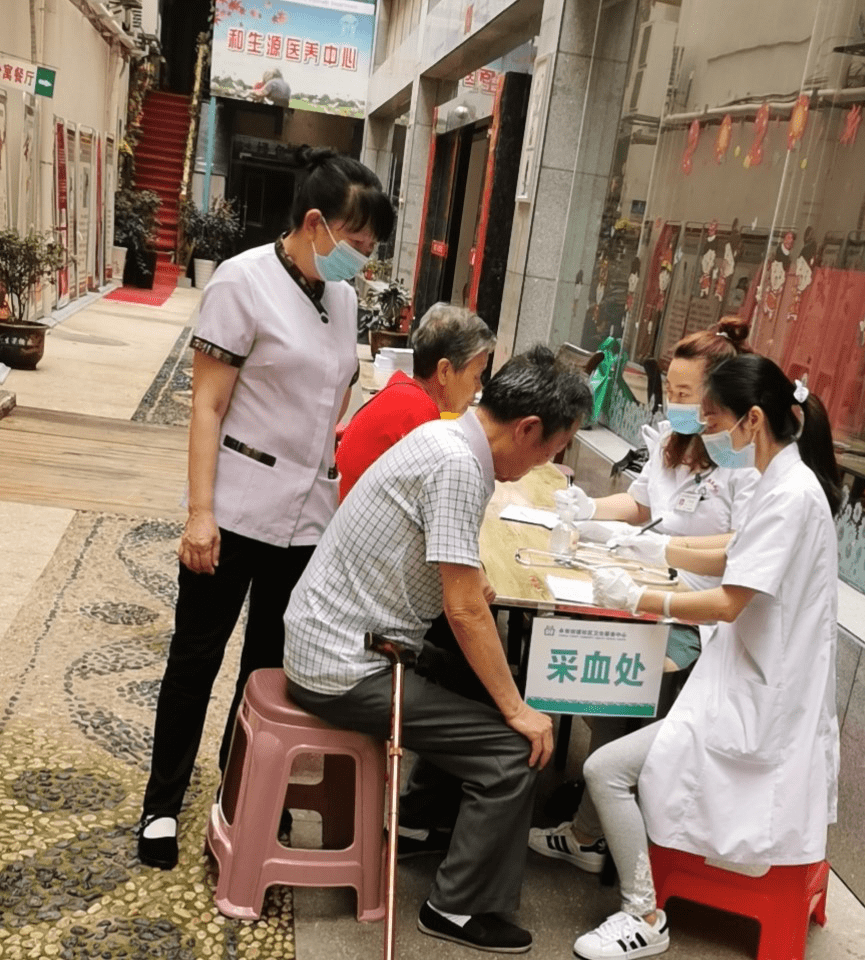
{"points": [[399, 655]]}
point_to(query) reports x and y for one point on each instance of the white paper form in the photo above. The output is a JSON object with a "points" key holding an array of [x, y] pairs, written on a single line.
{"points": [[541, 518], [571, 591]]}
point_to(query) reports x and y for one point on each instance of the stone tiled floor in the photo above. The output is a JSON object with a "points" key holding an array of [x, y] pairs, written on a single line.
{"points": [[85, 612]]}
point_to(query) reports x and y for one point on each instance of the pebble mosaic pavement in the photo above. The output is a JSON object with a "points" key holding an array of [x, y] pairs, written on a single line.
{"points": [[82, 665]]}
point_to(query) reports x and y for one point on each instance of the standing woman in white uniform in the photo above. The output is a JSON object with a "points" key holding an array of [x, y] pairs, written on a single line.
{"points": [[691, 496], [744, 768], [275, 356]]}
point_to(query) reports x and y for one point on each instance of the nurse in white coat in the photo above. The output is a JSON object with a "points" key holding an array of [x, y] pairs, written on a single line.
{"points": [[691, 496], [744, 768]]}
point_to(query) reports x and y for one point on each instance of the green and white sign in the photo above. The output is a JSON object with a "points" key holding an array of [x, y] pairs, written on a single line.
{"points": [[605, 668], [28, 77]]}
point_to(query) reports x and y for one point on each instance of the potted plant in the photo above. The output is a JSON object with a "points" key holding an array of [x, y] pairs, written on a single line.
{"points": [[391, 307], [24, 261], [211, 233], [134, 228]]}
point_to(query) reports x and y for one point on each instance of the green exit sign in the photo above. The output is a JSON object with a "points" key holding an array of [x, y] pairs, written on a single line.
{"points": [[45, 82]]}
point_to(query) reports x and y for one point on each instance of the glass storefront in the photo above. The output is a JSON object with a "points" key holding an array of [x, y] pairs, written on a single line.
{"points": [[738, 188]]}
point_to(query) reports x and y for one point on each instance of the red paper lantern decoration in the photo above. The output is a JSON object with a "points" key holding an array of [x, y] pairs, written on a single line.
{"points": [[754, 157], [722, 143], [852, 119], [798, 121], [693, 140]]}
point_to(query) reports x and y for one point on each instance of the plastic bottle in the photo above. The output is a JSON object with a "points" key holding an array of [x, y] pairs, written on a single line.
{"points": [[563, 536]]}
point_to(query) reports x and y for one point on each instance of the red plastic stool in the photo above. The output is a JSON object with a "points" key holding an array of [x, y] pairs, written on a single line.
{"points": [[783, 900], [242, 832]]}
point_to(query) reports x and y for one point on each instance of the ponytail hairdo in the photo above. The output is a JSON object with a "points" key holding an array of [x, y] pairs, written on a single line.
{"points": [[750, 381], [343, 189]]}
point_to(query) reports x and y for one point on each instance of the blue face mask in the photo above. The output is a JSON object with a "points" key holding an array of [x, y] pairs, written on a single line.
{"points": [[342, 263], [685, 418], [719, 446]]}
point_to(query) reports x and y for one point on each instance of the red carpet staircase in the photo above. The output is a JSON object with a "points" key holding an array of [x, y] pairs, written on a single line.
{"points": [[159, 167]]}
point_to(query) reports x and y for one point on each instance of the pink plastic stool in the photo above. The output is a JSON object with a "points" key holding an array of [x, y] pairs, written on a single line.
{"points": [[242, 832], [783, 900]]}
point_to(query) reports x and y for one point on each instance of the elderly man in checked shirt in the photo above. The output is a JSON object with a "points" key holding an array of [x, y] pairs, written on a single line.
{"points": [[403, 547]]}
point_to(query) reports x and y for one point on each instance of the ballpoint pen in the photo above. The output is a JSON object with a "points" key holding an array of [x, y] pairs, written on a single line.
{"points": [[649, 525]]}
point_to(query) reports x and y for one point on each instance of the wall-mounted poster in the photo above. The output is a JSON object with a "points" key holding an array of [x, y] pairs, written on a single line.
{"points": [[72, 196], [100, 218], [108, 204], [313, 55], [86, 237], [4, 166], [27, 167], [61, 207], [28, 172], [535, 123]]}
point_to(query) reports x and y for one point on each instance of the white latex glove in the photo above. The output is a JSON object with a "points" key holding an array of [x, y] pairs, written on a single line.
{"points": [[584, 505], [614, 589], [645, 547]]}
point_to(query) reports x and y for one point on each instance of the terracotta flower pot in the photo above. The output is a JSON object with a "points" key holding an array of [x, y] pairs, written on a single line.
{"points": [[22, 345], [385, 338]]}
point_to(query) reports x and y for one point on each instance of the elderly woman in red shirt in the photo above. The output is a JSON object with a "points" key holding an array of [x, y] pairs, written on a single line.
{"points": [[451, 347]]}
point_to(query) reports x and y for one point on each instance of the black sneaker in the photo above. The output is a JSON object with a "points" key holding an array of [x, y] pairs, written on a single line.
{"points": [[413, 843], [484, 931], [158, 852]]}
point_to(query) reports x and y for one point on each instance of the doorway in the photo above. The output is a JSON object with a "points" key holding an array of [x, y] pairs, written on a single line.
{"points": [[264, 194], [469, 208]]}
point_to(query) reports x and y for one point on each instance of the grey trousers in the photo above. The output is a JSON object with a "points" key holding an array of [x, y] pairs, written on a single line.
{"points": [[468, 741], [611, 774]]}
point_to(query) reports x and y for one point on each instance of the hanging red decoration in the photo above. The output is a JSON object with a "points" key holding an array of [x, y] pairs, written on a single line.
{"points": [[722, 143], [852, 119], [693, 140], [754, 157], [798, 121]]}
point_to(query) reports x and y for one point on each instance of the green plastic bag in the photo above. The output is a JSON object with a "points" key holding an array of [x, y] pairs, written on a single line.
{"points": [[607, 376]]}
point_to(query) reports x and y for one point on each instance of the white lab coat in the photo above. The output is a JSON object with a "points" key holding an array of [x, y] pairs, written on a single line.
{"points": [[724, 495], [745, 766]]}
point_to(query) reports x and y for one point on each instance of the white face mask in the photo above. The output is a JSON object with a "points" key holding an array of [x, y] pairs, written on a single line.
{"points": [[719, 446]]}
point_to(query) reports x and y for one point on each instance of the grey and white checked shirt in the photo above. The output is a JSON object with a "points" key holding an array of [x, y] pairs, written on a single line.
{"points": [[420, 504]]}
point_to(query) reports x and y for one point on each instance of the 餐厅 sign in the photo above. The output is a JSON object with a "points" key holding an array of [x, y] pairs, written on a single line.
{"points": [[605, 668], [26, 76], [312, 55]]}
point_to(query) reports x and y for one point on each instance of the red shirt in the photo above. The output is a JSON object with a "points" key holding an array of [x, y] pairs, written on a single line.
{"points": [[392, 413]]}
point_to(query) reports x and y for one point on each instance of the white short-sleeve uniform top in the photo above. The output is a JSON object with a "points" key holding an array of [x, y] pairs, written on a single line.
{"points": [[745, 765], [294, 370], [691, 504]]}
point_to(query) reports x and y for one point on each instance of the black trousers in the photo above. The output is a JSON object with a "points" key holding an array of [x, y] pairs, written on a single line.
{"points": [[208, 607]]}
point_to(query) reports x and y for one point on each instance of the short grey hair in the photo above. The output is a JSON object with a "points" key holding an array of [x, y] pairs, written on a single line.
{"points": [[451, 333]]}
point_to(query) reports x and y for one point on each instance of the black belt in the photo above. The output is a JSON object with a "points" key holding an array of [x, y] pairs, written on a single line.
{"points": [[266, 458]]}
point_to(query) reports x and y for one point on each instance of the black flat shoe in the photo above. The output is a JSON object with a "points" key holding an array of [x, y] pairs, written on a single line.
{"points": [[158, 852], [484, 931]]}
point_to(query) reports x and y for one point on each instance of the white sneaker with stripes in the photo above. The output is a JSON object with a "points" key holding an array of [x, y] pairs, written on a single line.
{"points": [[561, 844], [626, 937]]}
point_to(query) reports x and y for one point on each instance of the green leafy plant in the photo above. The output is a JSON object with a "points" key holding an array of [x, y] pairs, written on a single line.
{"points": [[212, 232], [388, 305], [24, 261], [135, 223]]}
